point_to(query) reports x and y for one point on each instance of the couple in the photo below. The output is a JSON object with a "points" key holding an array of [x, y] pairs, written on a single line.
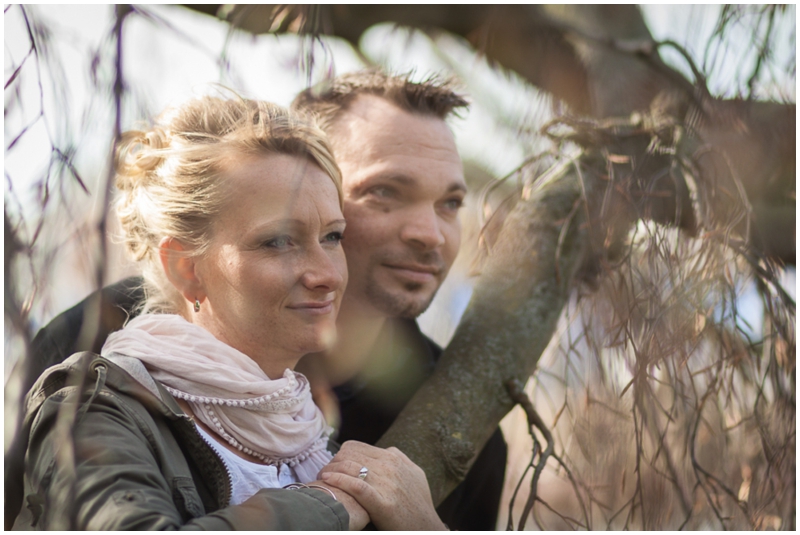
{"points": [[236, 211]]}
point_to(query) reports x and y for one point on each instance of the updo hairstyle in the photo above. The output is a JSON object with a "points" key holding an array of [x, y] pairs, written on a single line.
{"points": [[168, 177]]}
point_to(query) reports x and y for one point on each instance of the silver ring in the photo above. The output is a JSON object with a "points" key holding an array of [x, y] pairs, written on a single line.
{"points": [[362, 474]]}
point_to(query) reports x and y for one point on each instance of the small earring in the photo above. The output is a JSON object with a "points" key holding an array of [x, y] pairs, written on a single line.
{"points": [[197, 305]]}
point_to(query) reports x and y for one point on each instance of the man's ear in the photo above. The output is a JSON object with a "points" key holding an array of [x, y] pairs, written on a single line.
{"points": [[180, 268]]}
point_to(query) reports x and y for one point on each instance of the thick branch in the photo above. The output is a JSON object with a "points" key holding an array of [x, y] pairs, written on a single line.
{"points": [[602, 61], [508, 324]]}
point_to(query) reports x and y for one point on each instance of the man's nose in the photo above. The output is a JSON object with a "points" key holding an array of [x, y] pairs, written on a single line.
{"points": [[422, 229], [322, 272]]}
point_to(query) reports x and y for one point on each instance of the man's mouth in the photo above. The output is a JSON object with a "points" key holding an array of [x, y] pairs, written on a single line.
{"points": [[415, 272]]}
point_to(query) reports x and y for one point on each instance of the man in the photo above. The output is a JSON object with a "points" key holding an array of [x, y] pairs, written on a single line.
{"points": [[403, 185]]}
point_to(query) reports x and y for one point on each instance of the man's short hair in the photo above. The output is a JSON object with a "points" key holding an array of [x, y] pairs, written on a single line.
{"points": [[434, 96]]}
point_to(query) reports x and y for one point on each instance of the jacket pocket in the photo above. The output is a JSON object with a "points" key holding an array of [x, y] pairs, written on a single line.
{"points": [[186, 499]]}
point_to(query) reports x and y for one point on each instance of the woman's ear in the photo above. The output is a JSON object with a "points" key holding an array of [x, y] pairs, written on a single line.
{"points": [[180, 268]]}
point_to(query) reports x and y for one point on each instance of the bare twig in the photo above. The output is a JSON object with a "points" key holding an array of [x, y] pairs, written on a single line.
{"points": [[517, 393]]}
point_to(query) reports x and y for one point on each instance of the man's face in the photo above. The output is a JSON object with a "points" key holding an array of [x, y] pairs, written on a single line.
{"points": [[403, 186]]}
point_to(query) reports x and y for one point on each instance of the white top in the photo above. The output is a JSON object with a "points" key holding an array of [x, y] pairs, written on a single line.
{"points": [[248, 477]]}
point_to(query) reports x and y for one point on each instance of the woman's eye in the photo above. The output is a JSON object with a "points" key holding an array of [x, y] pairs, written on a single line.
{"points": [[279, 242], [333, 237]]}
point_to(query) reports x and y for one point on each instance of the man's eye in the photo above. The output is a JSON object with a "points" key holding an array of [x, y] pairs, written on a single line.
{"points": [[454, 204], [383, 192], [278, 243], [333, 237]]}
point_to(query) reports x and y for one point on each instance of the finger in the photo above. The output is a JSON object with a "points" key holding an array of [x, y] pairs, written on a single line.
{"points": [[391, 463], [359, 458], [366, 495], [371, 469], [370, 455], [354, 455], [350, 468]]}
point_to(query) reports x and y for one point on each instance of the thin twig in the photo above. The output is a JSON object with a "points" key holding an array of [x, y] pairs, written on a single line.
{"points": [[518, 395]]}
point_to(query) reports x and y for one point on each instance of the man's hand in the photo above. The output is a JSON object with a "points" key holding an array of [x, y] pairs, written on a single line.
{"points": [[395, 491]]}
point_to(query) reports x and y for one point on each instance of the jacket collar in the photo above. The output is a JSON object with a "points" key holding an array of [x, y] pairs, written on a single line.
{"points": [[124, 374]]}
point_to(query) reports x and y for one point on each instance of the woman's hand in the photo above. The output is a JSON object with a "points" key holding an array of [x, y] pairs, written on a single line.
{"points": [[358, 516], [395, 491]]}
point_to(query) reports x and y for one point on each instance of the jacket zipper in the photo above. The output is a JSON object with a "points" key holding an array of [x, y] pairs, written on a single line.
{"points": [[198, 438]]}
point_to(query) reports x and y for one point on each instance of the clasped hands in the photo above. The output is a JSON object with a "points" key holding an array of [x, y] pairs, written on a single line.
{"points": [[394, 495]]}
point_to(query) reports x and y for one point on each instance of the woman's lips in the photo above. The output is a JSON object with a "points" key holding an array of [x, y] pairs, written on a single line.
{"points": [[315, 308]]}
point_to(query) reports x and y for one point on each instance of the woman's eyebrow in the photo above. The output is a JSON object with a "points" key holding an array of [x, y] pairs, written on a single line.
{"points": [[278, 224], [291, 224]]}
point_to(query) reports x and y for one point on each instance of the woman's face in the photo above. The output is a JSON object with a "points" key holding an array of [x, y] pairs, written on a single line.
{"points": [[275, 271]]}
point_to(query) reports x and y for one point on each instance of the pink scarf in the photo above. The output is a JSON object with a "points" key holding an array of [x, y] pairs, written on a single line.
{"points": [[273, 420]]}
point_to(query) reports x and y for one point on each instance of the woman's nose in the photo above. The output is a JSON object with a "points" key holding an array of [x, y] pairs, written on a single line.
{"points": [[325, 270]]}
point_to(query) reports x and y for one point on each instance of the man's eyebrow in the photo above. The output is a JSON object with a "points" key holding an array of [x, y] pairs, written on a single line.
{"points": [[400, 179], [457, 186], [404, 180]]}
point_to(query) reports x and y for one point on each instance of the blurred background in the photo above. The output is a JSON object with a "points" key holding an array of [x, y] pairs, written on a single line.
{"points": [[61, 107]]}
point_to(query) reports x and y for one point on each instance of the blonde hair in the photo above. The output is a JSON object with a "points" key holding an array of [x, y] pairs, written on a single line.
{"points": [[168, 177]]}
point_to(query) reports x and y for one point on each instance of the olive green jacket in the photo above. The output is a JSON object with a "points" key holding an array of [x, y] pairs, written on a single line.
{"points": [[110, 452]]}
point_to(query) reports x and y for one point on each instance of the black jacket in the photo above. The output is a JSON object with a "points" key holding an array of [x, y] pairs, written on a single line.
{"points": [[368, 407]]}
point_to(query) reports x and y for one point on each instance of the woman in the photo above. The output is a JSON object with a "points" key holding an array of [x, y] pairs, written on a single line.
{"points": [[192, 417]]}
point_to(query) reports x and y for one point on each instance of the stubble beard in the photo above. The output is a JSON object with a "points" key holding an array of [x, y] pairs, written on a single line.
{"points": [[408, 299], [398, 306]]}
